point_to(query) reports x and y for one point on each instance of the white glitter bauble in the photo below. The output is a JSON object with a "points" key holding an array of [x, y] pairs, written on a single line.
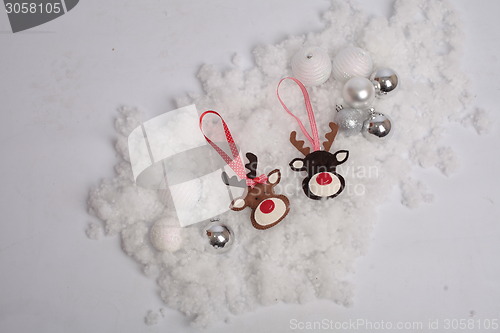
{"points": [[350, 121], [311, 65], [359, 93], [351, 62], [165, 237]]}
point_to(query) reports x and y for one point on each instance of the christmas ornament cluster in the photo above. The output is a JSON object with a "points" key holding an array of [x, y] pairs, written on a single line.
{"points": [[311, 66], [362, 84]]}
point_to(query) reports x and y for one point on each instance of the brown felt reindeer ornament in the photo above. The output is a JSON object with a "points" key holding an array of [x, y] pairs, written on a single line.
{"points": [[322, 181], [268, 208]]}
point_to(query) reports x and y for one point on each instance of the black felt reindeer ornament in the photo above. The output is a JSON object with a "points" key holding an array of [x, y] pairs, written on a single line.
{"points": [[322, 181]]}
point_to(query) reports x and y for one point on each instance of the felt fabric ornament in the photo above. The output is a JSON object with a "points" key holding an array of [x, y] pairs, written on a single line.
{"points": [[268, 208], [322, 181]]}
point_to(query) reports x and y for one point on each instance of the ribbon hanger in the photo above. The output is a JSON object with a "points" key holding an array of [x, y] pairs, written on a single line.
{"points": [[314, 139], [235, 162]]}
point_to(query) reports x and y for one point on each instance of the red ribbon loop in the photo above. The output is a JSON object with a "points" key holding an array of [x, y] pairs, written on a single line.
{"points": [[234, 163], [314, 139]]}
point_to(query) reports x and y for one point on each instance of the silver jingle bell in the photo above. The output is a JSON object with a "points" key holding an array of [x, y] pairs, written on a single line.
{"points": [[350, 121], [358, 93], [376, 127], [385, 80], [220, 237]]}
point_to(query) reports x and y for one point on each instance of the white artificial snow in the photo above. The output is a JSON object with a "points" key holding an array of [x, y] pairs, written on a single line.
{"points": [[479, 120], [94, 231], [311, 253], [152, 318], [414, 192]]}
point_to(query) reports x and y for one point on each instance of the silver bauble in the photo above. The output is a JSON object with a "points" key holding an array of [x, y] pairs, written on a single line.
{"points": [[220, 237], [311, 65], [351, 62], [359, 93], [385, 80], [350, 121], [376, 127]]}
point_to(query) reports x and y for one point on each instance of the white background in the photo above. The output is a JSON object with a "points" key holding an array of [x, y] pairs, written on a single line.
{"points": [[60, 85]]}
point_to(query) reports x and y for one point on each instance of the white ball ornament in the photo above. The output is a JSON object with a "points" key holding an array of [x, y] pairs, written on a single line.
{"points": [[165, 237], [351, 62], [312, 66], [359, 93]]}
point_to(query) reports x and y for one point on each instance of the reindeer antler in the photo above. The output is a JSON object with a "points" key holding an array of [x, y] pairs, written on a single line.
{"points": [[233, 181], [251, 165], [299, 144], [252, 173], [330, 136]]}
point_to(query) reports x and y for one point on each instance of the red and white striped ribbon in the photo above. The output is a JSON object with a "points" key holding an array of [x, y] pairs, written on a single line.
{"points": [[234, 163]]}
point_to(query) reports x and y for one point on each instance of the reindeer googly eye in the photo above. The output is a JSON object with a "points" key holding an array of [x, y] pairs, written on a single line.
{"points": [[297, 164]]}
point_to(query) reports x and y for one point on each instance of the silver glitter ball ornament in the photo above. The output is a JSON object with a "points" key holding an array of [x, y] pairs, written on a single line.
{"points": [[385, 80], [350, 121], [220, 237], [359, 93], [376, 127]]}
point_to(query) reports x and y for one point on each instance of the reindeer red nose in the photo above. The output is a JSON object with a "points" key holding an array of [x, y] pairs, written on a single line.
{"points": [[267, 206], [324, 178]]}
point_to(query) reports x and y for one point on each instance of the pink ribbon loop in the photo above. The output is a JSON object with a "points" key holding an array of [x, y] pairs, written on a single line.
{"points": [[234, 163], [314, 139]]}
